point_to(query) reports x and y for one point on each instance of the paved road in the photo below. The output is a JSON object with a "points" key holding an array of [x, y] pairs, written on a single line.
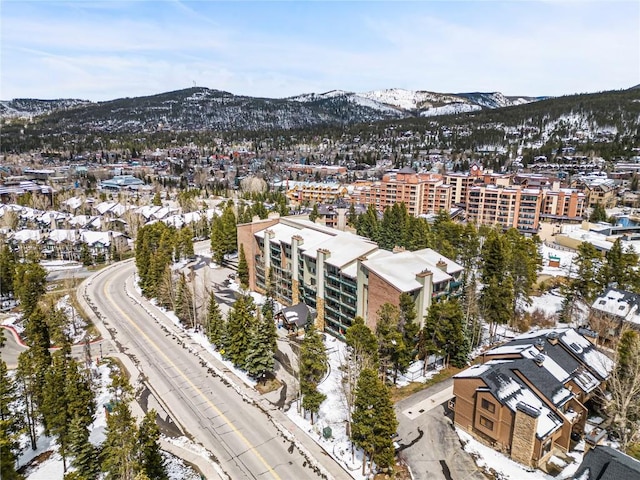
{"points": [[12, 348], [427, 440], [245, 442]]}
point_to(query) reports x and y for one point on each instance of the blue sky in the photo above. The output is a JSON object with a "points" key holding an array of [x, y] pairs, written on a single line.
{"points": [[104, 50]]}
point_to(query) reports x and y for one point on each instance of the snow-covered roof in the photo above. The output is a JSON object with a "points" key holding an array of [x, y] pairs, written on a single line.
{"points": [[620, 304], [23, 236], [91, 238], [62, 235], [400, 269]]}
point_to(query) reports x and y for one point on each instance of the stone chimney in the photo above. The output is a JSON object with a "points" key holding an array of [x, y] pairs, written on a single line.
{"points": [[398, 249], [524, 433]]}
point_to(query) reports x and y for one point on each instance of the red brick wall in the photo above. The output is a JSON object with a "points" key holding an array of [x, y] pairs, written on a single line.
{"points": [[380, 292]]}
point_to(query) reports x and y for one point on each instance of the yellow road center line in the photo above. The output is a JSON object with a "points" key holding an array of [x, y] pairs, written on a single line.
{"points": [[206, 399]]}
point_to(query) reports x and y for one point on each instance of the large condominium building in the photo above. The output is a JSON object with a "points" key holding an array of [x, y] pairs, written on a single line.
{"points": [[522, 208], [339, 274], [422, 193]]}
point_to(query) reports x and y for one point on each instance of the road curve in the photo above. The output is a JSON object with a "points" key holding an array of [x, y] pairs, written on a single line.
{"points": [[245, 442]]}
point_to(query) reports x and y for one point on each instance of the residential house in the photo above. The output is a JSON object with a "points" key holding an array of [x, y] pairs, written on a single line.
{"points": [[527, 397], [619, 306], [606, 463]]}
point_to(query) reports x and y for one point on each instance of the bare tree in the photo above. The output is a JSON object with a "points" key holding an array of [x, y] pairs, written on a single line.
{"points": [[622, 396]]}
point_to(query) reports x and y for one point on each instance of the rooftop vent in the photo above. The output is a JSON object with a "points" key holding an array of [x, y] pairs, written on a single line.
{"points": [[528, 409], [552, 337]]}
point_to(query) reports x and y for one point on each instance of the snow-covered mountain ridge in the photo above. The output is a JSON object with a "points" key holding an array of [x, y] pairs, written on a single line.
{"points": [[335, 106]]}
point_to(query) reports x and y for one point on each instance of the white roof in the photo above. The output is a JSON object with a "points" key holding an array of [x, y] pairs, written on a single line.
{"points": [[23, 236], [62, 235], [90, 238], [401, 270]]}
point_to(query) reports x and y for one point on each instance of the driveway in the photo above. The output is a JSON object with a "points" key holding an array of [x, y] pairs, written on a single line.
{"points": [[427, 440]]}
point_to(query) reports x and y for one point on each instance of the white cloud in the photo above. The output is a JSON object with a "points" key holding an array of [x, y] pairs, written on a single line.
{"points": [[100, 55]]}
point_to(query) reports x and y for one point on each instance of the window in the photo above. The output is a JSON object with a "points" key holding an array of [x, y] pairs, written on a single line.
{"points": [[546, 448], [488, 406], [486, 423]]}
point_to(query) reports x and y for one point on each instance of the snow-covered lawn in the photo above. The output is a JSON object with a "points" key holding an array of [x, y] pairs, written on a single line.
{"points": [[52, 467], [332, 414], [567, 266]]}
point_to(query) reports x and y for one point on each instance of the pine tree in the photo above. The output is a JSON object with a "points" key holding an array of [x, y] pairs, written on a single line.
{"points": [[240, 322], [314, 214], [392, 349], [119, 448], [184, 302], [586, 284], [10, 425], [262, 348], [157, 201], [496, 298], [313, 367], [215, 322], [598, 214], [29, 285], [85, 255], [84, 454], [444, 333], [363, 344], [374, 420], [243, 269], [150, 459], [7, 270]]}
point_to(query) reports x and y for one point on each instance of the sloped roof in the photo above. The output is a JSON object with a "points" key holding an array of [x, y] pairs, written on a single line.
{"points": [[606, 463]]}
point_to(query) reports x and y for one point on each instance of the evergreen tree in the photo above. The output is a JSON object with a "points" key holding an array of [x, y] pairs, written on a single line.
{"points": [[184, 302], [407, 321], [215, 322], [586, 284], [497, 293], [392, 350], [119, 449], [444, 333], [620, 267], [524, 264], [240, 323], [363, 344], [10, 425], [374, 421], [313, 367], [7, 270], [85, 255], [598, 214], [84, 454], [314, 214], [150, 459], [157, 201], [30, 376], [262, 348], [29, 285], [243, 269]]}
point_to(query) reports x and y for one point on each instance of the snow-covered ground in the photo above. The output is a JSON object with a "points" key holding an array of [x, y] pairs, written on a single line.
{"points": [[567, 258], [52, 467], [332, 414], [57, 265]]}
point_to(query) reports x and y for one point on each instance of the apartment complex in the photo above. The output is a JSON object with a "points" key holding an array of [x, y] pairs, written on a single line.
{"points": [[422, 193], [341, 275], [528, 396]]}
